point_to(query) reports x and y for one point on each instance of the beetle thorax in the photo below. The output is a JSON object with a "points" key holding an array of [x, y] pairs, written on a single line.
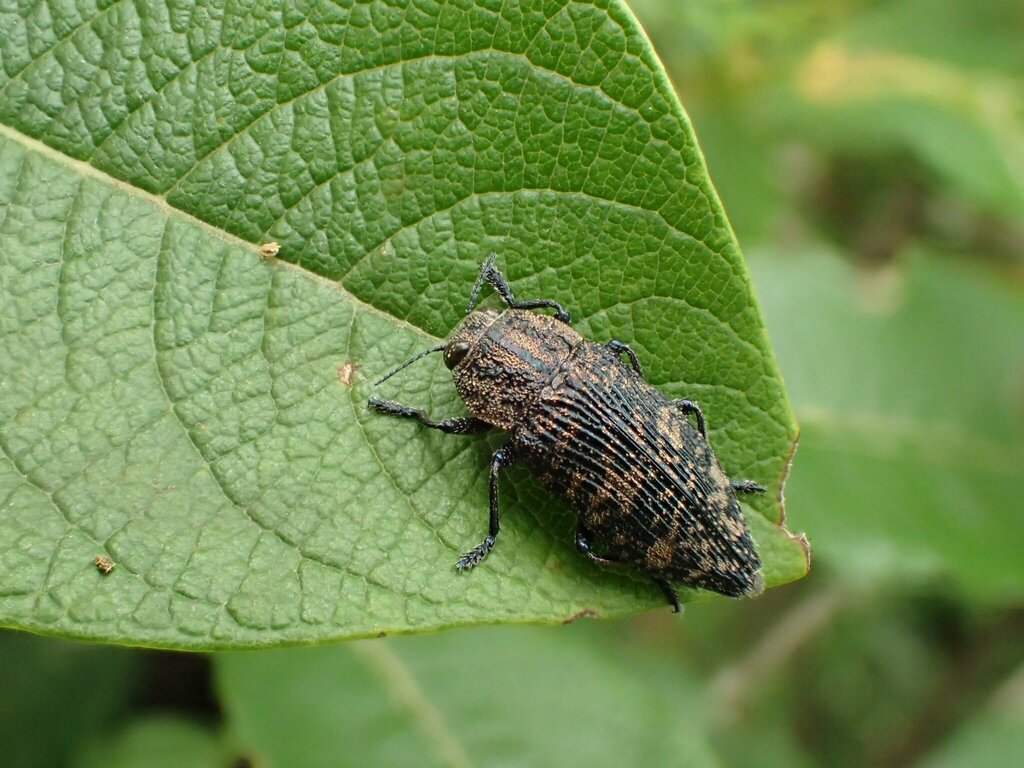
{"points": [[511, 357]]}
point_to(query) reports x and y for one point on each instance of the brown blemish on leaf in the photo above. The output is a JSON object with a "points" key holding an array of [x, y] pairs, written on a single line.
{"points": [[800, 538], [586, 613], [347, 373]]}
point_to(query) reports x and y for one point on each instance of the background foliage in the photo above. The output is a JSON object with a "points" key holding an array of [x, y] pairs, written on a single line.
{"points": [[869, 156]]}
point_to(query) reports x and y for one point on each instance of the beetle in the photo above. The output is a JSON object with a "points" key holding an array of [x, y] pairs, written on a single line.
{"points": [[636, 468]]}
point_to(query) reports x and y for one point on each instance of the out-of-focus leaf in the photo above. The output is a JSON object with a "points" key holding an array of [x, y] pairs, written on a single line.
{"points": [[156, 742], [909, 388], [54, 695], [994, 738], [979, 36], [497, 697], [866, 678], [170, 400], [921, 74]]}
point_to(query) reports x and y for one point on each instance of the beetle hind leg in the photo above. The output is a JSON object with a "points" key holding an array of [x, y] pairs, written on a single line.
{"points": [[583, 546], [670, 594], [469, 560], [490, 274]]}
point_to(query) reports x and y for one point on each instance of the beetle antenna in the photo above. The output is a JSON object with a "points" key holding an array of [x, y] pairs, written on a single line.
{"points": [[411, 360]]}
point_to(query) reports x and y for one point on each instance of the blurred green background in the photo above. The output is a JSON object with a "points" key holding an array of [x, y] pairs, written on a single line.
{"points": [[871, 158]]}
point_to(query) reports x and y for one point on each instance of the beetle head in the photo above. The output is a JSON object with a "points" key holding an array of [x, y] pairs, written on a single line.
{"points": [[463, 338], [466, 336]]}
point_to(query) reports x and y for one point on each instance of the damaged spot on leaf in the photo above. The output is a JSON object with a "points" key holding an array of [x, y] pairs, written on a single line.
{"points": [[347, 373]]}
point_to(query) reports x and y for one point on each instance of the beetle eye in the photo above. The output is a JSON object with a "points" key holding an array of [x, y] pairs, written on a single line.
{"points": [[454, 353]]}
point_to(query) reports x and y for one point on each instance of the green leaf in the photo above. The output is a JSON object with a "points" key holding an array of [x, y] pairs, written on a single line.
{"points": [[157, 742], [994, 736], [922, 76], [197, 413], [496, 696], [55, 695], [909, 393]]}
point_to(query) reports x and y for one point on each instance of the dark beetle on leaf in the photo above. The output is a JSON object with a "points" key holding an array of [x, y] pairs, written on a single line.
{"points": [[638, 471]]}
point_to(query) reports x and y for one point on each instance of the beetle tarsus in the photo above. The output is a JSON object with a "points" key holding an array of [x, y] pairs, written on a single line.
{"points": [[471, 559], [670, 595], [747, 486], [490, 274], [689, 407], [501, 459]]}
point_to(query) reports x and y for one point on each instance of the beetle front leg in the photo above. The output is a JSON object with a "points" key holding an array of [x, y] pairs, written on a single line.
{"points": [[689, 407], [457, 425], [618, 348], [501, 459], [490, 274]]}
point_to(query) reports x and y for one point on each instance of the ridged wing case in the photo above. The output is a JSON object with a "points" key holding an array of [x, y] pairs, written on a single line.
{"points": [[645, 485]]}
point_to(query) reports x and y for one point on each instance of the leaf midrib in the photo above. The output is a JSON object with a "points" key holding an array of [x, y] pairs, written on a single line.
{"points": [[277, 106], [89, 171], [160, 201]]}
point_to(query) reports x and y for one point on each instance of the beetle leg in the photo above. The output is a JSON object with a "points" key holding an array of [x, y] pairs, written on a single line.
{"points": [[458, 425], [490, 274], [583, 547], [501, 459], [618, 348], [561, 313], [747, 486], [670, 594], [689, 407]]}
